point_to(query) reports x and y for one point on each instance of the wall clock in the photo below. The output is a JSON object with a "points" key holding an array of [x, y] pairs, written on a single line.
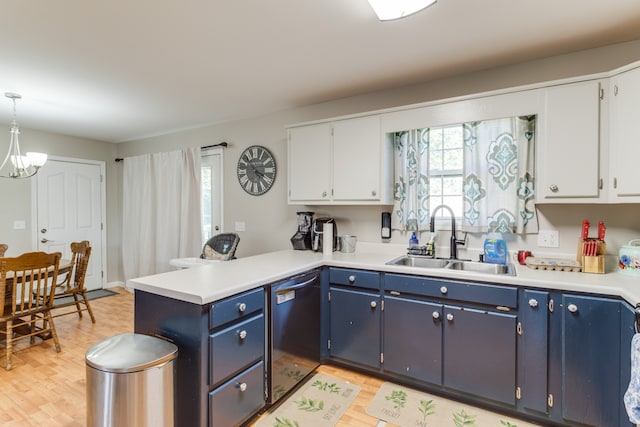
{"points": [[256, 170]]}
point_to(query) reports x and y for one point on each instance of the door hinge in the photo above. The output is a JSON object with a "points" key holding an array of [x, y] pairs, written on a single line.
{"points": [[518, 393], [550, 400], [329, 344], [519, 328], [101, 178], [102, 274], [600, 184], [550, 305], [382, 305], [381, 358], [329, 296], [101, 226], [601, 93]]}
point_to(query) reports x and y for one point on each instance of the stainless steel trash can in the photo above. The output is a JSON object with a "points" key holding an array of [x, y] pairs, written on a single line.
{"points": [[130, 382]]}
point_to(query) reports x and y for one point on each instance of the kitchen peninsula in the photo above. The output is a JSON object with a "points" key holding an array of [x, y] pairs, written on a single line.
{"points": [[563, 338]]}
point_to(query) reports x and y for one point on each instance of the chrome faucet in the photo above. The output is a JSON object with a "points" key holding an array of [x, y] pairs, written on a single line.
{"points": [[454, 242]]}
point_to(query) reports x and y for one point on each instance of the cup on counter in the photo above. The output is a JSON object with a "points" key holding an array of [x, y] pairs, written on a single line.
{"points": [[522, 257], [348, 243]]}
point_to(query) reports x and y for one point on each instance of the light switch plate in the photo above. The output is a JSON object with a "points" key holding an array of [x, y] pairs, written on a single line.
{"points": [[548, 239], [19, 225]]}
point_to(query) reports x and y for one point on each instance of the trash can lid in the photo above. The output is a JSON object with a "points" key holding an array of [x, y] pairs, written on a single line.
{"points": [[130, 353]]}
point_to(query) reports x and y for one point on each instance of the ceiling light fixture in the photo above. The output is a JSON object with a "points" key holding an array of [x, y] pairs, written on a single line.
{"points": [[15, 165], [394, 9]]}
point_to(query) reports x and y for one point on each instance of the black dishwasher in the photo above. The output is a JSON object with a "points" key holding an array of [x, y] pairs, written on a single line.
{"points": [[294, 332]]}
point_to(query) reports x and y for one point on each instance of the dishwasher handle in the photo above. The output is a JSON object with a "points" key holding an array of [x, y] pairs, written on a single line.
{"points": [[297, 285]]}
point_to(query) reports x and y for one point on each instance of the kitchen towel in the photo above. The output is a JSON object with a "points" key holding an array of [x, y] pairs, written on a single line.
{"points": [[632, 395], [327, 238]]}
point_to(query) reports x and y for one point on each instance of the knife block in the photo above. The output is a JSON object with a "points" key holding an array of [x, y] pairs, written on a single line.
{"points": [[592, 264]]}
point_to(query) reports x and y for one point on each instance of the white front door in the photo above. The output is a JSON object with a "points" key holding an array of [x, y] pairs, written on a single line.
{"points": [[69, 209]]}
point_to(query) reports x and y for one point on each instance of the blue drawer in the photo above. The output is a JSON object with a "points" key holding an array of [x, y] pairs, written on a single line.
{"points": [[350, 277], [238, 399], [452, 290], [236, 307], [234, 348]]}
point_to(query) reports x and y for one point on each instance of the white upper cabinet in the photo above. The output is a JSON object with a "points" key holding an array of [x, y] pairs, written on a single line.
{"points": [[310, 163], [569, 146], [341, 162], [625, 139]]}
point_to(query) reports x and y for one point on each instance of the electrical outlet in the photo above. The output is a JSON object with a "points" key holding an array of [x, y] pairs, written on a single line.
{"points": [[548, 239]]}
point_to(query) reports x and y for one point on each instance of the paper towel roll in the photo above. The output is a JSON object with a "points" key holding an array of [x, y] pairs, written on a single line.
{"points": [[327, 238]]}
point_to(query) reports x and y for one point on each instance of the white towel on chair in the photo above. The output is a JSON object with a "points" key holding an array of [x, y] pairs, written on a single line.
{"points": [[632, 396]]}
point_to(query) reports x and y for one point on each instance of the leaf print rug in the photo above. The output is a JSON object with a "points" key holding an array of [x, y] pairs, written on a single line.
{"points": [[320, 401], [402, 406]]}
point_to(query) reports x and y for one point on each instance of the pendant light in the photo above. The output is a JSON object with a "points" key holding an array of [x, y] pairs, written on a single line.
{"points": [[15, 165], [394, 9]]}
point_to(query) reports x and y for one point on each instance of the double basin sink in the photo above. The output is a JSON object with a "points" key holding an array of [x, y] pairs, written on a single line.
{"points": [[452, 264]]}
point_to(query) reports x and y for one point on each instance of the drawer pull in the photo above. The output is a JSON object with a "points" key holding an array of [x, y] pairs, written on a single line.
{"points": [[242, 334], [450, 317], [242, 307], [572, 308], [444, 290], [242, 386], [373, 304], [533, 303], [435, 315], [352, 278]]}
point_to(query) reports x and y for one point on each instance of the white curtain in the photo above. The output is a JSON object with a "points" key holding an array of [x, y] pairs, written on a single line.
{"points": [[411, 192], [499, 184], [161, 211]]}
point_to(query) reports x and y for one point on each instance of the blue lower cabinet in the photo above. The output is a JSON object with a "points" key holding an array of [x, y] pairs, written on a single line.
{"points": [[412, 335], [239, 398], [479, 350], [355, 326], [590, 362]]}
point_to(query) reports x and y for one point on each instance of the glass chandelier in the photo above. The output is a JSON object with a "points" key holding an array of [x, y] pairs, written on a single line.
{"points": [[394, 9], [15, 165]]}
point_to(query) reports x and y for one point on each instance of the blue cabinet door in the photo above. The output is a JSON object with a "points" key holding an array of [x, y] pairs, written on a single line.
{"points": [[628, 319], [533, 348], [413, 339], [355, 326], [590, 360], [480, 353]]}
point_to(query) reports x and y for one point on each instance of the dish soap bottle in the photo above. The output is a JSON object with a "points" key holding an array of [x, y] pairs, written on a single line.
{"points": [[495, 249], [413, 241]]}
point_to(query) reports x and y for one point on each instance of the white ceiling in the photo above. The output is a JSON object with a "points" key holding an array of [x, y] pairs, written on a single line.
{"points": [[119, 70]]}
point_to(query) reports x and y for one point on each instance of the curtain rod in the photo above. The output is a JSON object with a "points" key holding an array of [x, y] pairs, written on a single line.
{"points": [[223, 144]]}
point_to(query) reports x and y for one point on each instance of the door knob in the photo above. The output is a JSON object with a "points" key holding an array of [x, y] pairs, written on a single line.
{"points": [[449, 317], [435, 315], [373, 304]]}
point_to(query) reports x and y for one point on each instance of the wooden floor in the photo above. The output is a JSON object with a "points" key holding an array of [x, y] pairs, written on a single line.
{"points": [[45, 388]]}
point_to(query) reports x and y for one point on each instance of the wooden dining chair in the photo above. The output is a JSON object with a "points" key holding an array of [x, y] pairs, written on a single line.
{"points": [[71, 291], [3, 249], [22, 316]]}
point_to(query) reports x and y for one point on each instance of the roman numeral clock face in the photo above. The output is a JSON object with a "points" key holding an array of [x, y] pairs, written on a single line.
{"points": [[256, 170]]}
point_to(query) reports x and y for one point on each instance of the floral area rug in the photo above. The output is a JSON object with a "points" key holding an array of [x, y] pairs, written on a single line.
{"points": [[321, 401], [403, 406]]}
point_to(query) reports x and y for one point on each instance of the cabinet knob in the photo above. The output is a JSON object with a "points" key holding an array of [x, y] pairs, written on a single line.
{"points": [[435, 315], [242, 307], [533, 303], [554, 188], [242, 334], [373, 304], [450, 317], [324, 194], [444, 290], [373, 193], [352, 279], [242, 386], [572, 308]]}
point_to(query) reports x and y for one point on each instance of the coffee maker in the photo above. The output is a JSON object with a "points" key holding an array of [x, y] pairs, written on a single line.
{"points": [[317, 231], [302, 239]]}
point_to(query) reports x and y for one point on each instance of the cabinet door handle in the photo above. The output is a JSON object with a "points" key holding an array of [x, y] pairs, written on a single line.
{"points": [[533, 303], [572, 308], [444, 290], [242, 307], [435, 315], [242, 334], [554, 188], [450, 317], [373, 304], [242, 386]]}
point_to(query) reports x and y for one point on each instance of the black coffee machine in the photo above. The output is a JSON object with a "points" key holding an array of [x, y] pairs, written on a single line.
{"points": [[317, 232], [302, 239]]}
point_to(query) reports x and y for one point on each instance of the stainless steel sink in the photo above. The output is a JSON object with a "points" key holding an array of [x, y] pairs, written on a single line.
{"points": [[416, 261], [460, 265], [480, 267]]}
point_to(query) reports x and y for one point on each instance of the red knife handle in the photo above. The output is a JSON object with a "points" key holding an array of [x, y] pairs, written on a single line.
{"points": [[601, 230], [585, 229]]}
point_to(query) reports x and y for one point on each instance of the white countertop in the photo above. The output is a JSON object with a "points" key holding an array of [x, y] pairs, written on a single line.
{"points": [[212, 282]]}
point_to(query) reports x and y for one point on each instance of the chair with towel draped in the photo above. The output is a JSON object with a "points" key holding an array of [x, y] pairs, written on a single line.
{"points": [[20, 314], [71, 291], [3, 249]]}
